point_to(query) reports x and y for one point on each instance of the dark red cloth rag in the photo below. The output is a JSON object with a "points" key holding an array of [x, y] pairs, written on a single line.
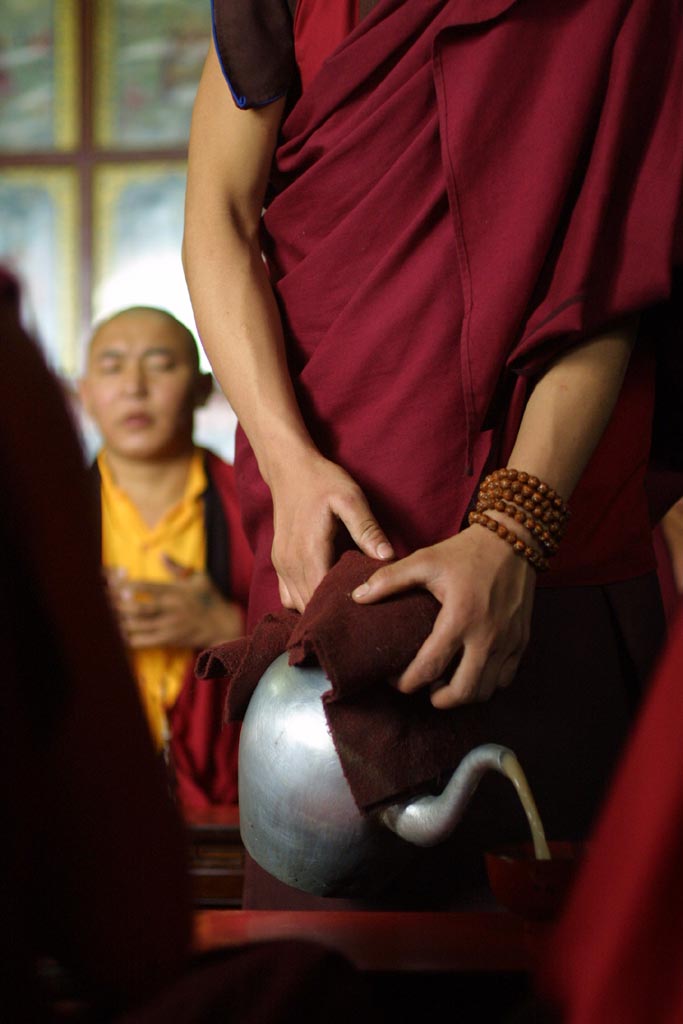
{"points": [[389, 743], [241, 663]]}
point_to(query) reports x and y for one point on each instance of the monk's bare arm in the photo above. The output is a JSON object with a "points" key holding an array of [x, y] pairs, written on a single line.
{"points": [[570, 407], [238, 320], [230, 153], [485, 590]]}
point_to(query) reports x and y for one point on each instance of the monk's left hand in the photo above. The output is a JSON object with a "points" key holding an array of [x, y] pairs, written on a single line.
{"points": [[188, 611], [486, 595]]}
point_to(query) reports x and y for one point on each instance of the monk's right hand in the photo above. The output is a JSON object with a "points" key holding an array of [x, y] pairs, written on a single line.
{"points": [[311, 498]]}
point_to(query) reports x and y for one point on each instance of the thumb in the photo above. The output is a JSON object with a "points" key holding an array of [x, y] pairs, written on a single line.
{"points": [[178, 571], [364, 529]]}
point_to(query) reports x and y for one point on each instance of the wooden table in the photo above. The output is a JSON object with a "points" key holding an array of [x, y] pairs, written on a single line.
{"points": [[389, 941], [476, 967], [478, 963]]}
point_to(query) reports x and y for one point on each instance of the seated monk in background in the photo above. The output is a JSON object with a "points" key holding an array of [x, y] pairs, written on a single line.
{"points": [[178, 564]]}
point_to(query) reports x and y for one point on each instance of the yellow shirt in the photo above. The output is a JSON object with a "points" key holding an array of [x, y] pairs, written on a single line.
{"points": [[129, 544]]}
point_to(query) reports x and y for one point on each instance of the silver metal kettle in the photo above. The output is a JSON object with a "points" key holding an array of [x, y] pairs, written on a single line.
{"points": [[298, 818]]}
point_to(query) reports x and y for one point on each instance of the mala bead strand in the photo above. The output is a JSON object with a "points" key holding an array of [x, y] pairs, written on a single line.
{"points": [[529, 488], [546, 517], [530, 502], [546, 536], [533, 501], [534, 558]]}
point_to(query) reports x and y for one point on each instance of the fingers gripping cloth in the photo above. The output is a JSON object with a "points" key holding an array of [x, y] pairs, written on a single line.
{"points": [[389, 743]]}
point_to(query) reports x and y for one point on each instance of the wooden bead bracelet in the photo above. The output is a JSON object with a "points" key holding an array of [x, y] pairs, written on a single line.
{"points": [[534, 558], [527, 488], [548, 538], [543, 511], [531, 503]]}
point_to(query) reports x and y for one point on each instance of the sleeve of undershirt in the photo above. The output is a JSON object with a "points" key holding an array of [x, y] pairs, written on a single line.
{"points": [[254, 42]]}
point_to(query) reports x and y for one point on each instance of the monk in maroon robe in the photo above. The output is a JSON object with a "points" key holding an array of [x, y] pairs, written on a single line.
{"points": [[617, 952], [472, 238], [93, 862]]}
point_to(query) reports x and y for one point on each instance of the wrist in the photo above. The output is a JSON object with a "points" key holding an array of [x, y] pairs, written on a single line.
{"points": [[280, 454], [531, 556]]}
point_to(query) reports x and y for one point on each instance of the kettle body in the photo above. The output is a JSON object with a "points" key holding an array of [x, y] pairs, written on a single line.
{"points": [[298, 818]]}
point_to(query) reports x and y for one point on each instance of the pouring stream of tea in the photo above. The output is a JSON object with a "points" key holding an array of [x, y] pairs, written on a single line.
{"points": [[511, 767]]}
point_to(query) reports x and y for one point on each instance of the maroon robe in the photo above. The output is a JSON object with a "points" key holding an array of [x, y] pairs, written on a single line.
{"points": [[92, 859], [431, 246], [617, 954]]}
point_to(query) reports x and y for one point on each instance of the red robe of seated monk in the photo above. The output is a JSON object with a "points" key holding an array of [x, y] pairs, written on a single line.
{"points": [[203, 749]]}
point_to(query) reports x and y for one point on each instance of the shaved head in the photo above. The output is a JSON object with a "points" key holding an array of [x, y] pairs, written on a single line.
{"points": [[142, 383], [160, 318]]}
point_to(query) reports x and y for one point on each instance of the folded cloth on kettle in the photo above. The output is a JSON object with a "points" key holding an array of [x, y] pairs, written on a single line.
{"points": [[389, 743]]}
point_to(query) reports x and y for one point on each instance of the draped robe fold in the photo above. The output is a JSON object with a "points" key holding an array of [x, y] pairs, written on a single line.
{"points": [[463, 191]]}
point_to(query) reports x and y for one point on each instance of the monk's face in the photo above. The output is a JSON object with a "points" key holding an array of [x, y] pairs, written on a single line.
{"points": [[142, 385]]}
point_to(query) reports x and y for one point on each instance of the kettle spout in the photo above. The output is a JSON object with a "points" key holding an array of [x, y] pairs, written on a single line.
{"points": [[429, 820]]}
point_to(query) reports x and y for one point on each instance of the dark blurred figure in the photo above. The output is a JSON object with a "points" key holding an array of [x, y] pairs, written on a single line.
{"points": [[668, 537], [618, 953], [92, 868]]}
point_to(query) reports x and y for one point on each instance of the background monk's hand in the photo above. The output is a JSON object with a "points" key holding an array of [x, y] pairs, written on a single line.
{"points": [[311, 497], [186, 612], [486, 596]]}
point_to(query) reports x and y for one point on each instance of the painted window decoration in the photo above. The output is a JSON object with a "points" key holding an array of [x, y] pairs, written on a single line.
{"points": [[39, 76], [137, 231], [148, 59]]}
